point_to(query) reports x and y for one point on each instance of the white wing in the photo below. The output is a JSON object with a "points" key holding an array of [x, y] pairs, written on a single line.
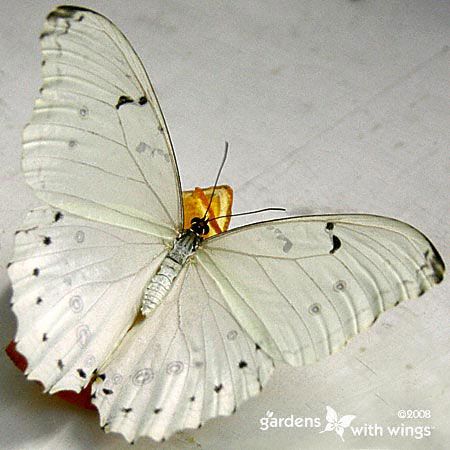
{"points": [[97, 145], [302, 287], [77, 289], [189, 361]]}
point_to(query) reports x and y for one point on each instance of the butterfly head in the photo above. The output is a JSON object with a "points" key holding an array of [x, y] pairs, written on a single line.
{"points": [[200, 226]]}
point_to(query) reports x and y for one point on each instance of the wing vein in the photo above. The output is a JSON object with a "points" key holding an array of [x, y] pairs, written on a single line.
{"points": [[158, 198]]}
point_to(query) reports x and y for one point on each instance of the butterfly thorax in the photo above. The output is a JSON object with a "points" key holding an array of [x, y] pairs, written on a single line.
{"points": [[184, 246]]}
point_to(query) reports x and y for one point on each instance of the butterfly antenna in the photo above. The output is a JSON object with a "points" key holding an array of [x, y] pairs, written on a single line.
{"points": [[217, 178], [248, 212]]}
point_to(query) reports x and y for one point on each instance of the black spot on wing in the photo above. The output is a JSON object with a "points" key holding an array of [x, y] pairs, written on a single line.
{"points": [[36, 272], [38, 300], [336, 244], [143, 100], [157, 410], [218, 388], [436, 262], [123, 100], [242, 364], [82, 373], [44, 337], [60, 364], [67, 12], [58, 216], [107, 391], [126, 410], [329, 226], [257, 347], [47, 240]]}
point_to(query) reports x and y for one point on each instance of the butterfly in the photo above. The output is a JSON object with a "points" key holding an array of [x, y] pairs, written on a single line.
{"points": [[173, 327], [335, 424]]}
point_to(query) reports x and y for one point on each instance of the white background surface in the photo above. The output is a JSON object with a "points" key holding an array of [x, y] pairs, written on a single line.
{"points": [[329, 106]]}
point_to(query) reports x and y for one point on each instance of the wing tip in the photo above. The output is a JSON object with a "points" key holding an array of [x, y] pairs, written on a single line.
{"points": [[67, 12], [436, 262]]}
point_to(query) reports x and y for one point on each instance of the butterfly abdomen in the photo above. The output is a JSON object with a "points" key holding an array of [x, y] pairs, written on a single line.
{"points": [[183, 247]]}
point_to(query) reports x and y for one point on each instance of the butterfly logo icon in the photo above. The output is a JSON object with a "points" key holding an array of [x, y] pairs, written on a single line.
{"points": [[338, 425]]}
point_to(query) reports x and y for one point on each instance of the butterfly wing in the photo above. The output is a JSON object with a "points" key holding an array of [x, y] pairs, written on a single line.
{"points": [[186, 363], [77, 289], [302, 287], [97, 145], [98, 151]]}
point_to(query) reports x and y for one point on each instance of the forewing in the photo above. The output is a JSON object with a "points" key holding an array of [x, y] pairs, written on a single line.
{"points": [[97, 145], [187, 362], [302, 287], [77, 287]]}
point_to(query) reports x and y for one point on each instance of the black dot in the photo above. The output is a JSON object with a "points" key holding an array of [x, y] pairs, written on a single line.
{"points": [[8, 265], [127, 410], [257, 347], [44, 337], [163, 439], [94, 395], [218, 388], [157, 410], [192, 399], [199, 425], [82, 373], [234, 410], [38, 300], [107, 391], [36, 272], [242, 364], [60, 364], [123, 100], [330, 226], [102, 376], [47, 240], [58, 216], [336, 244], [143, 100]]}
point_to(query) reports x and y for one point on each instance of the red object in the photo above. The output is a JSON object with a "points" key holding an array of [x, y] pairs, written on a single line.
{"points": [[82, 399]]}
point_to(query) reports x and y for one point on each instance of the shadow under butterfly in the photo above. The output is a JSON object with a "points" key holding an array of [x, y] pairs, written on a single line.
{"points": [[171, 324]]}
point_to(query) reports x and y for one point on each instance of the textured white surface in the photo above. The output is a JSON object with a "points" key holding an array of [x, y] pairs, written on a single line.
{"points": [[329, 107]]}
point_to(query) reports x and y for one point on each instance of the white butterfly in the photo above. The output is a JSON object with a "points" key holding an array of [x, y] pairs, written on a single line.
{"points": [[335, 424], [294, 290]]}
